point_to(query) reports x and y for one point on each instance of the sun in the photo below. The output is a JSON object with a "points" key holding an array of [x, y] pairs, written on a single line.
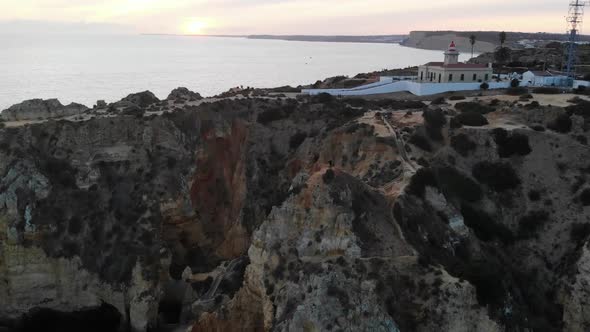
{"points": [[195, 27]]}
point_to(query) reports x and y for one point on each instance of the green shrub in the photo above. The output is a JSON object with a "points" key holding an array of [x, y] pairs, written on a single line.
{"points": [[328, 176], [534, 195], [547, 90], [474, 107], [340, 294], [510, 144], [434, 120], [533, 105], [562, 124], [581, 90], [585, 197], [271, 115], [529, 224], [516, 91], [457, 98], [470, 119], [539, 128], [322, 98], [515, 83], [498, 176], [423, 177], [296, 140], [581, 108], [453, 183], [484, 86], [462, 144], [438, 101], [484, 227], [579, 232], [420, 141]]}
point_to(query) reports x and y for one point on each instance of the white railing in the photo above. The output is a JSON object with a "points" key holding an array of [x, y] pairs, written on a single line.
{"points": [[416, 88]]}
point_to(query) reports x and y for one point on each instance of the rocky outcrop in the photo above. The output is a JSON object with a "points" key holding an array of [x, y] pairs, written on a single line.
{"points": [[141, 99], [39, 109], [181, 95]]}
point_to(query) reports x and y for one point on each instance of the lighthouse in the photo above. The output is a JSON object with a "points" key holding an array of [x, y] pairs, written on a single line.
{"points": [[452, 55]]}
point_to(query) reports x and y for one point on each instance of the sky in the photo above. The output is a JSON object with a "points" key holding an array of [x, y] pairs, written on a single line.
{"points": [[241, 17]]}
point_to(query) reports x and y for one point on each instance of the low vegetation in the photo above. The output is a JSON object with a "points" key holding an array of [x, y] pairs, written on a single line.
{"points": [[471, 119], [462, 144], [516, 91], [420, 141], [434, 120], [510, 144], [547, 90], [561, 124], [438, 101], [455, 184], [454, 98], [499, 176], [531, 223], [484, 226], [474, 107], [424, 177]]}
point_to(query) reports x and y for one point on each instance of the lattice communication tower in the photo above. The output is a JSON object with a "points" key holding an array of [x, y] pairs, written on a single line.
{"points": [[575, 19]]}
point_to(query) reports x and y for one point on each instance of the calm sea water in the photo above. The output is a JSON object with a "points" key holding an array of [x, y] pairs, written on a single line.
{"points": [[87, 68]]}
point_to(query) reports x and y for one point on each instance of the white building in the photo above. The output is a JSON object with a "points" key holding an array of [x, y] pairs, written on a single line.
{"points": [[543, 78], [452, 71]]}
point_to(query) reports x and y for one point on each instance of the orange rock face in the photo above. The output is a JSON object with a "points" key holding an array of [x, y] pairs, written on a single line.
{"points": [[218, 190]]}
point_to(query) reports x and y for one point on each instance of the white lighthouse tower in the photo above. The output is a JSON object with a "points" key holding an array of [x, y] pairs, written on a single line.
{"points": [[452, 55]]}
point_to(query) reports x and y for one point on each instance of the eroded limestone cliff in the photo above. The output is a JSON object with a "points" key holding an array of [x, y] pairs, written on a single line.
{"points": [[311, 214]]}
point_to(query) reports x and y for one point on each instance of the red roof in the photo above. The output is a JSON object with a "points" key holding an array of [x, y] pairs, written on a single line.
{"points": [[465, 65], [456, 65], [452, 45]]}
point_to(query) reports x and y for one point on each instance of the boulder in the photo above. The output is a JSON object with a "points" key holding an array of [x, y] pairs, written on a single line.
{"points": [[184, 94], [36, 109], [142, 99], [101, 104]]}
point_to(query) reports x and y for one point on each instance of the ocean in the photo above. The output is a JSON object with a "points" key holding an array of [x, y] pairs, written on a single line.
{"points": [[86, 68]]}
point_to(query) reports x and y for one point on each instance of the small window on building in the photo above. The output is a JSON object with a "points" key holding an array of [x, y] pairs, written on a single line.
{"points": [[475, 77], [439, 77], [462, 77], [421, 75], [450, 77], [487, 77]]}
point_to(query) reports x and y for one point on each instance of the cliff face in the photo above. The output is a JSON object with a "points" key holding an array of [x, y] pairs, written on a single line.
{"points": [[278, 214], [40, 109]]}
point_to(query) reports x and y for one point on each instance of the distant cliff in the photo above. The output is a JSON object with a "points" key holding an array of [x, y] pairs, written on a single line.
{"points": [[486, 41], [337, 39]]}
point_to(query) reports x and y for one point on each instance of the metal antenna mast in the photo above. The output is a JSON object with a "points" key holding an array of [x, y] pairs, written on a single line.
{"points": [[575, 19]]}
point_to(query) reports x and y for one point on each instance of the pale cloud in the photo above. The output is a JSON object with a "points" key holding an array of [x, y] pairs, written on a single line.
{"points": [[296, 16]]}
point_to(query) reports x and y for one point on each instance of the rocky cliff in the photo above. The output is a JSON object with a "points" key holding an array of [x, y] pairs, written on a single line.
{"points": [[316, 214], [35, 109]]}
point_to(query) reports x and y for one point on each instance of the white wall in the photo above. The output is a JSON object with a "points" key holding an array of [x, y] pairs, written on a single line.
{"points": [[578, 83], [418, 89]]}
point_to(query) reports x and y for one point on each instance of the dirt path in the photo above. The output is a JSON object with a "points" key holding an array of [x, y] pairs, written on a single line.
{"points": [[407, 162]]}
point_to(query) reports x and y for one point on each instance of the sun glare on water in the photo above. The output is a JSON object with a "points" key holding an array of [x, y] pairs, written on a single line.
{"points": [[195, 27]]}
